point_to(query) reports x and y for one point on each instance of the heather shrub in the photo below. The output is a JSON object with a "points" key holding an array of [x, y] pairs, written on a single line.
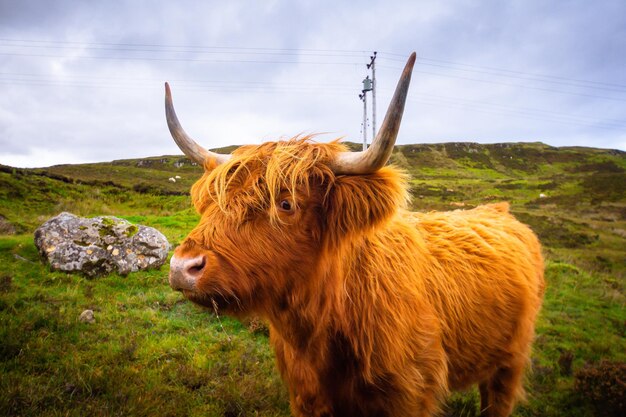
{"points": [[604, 385]]}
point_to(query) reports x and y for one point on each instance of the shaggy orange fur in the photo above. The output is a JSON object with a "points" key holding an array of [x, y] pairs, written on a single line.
{"points": [[373, 310]]}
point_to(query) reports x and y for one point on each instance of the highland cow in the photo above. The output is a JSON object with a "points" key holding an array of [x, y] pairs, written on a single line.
{"points": [[373, 310]]}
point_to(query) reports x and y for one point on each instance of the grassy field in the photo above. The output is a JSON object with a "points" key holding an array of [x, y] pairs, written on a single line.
{"points": [[151, 352]]}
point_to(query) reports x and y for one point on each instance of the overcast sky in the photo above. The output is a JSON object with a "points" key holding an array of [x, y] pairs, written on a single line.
{"points": [[82, 81]]}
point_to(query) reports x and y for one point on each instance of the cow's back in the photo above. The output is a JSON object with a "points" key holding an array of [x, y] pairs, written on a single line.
{"points": [[483, 271]]}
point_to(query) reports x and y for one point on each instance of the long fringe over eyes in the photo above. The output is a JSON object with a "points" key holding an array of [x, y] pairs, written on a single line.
{"points": [[257, 177]]}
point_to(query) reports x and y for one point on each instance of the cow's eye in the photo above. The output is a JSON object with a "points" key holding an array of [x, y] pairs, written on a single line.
{"points": [[285, 205]]}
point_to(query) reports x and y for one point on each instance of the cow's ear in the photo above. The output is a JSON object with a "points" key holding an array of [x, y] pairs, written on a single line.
{"points": [[355, 204]]}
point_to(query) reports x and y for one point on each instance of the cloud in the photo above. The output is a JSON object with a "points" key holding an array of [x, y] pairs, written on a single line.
{"points": [[83, 81]]}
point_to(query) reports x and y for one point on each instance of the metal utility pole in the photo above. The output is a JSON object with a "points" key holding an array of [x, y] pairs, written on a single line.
{"points": [[363, 98], [367, 86], [372, 65]]}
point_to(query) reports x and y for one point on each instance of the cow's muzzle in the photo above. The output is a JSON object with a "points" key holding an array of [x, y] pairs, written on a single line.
{"points": [[185, 272]]}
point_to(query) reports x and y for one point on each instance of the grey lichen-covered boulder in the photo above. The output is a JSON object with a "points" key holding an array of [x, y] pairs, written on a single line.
{"points": [[100, 245]]}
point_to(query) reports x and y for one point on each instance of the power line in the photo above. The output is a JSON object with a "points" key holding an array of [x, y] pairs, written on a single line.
{"points": [[442, 101], [503, 70], [527, 114], [213, 85], [525, 110], [392, 56], [74, 77], [295, 52], [481, 107], [274, 62], [515, 85], [532, 78], [189, 82], [220, 61], [198, 85], [203, 87], [353, 51], [188, 50], [509, 113]]}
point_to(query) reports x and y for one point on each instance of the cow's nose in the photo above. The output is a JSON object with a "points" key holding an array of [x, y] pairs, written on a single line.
{"points": [[184, 272]]}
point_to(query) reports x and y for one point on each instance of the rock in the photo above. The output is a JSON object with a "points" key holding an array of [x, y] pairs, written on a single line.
{"points": [[87, 317], [100, 245]]}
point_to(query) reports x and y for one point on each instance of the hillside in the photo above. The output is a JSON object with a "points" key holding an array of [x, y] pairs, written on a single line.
{"points": [[152, 350], [574, 198]]}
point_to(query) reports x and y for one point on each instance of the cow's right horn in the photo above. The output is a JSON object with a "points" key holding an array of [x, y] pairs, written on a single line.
{"points": [[186, 144], [376, 156]]}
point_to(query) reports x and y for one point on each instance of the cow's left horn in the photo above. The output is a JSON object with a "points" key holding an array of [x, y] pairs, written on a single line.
{"points": [[377, 155], [189, 146]]}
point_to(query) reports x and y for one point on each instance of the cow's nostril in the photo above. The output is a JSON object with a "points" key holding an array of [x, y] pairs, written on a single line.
{"points": [[196, 267]]}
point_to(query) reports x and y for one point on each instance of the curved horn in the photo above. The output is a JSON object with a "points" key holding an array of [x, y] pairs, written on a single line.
{"points": [[189, 146], [377, 155]]}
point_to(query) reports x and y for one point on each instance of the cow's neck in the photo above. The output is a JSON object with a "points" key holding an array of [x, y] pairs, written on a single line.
{"points": [[308, 308], [311, 308]]}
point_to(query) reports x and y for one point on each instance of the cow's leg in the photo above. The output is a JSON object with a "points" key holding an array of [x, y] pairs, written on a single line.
{"points": [[499, 394]]}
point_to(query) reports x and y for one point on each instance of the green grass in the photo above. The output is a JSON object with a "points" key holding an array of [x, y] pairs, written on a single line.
{"points": [[149, 351]]}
